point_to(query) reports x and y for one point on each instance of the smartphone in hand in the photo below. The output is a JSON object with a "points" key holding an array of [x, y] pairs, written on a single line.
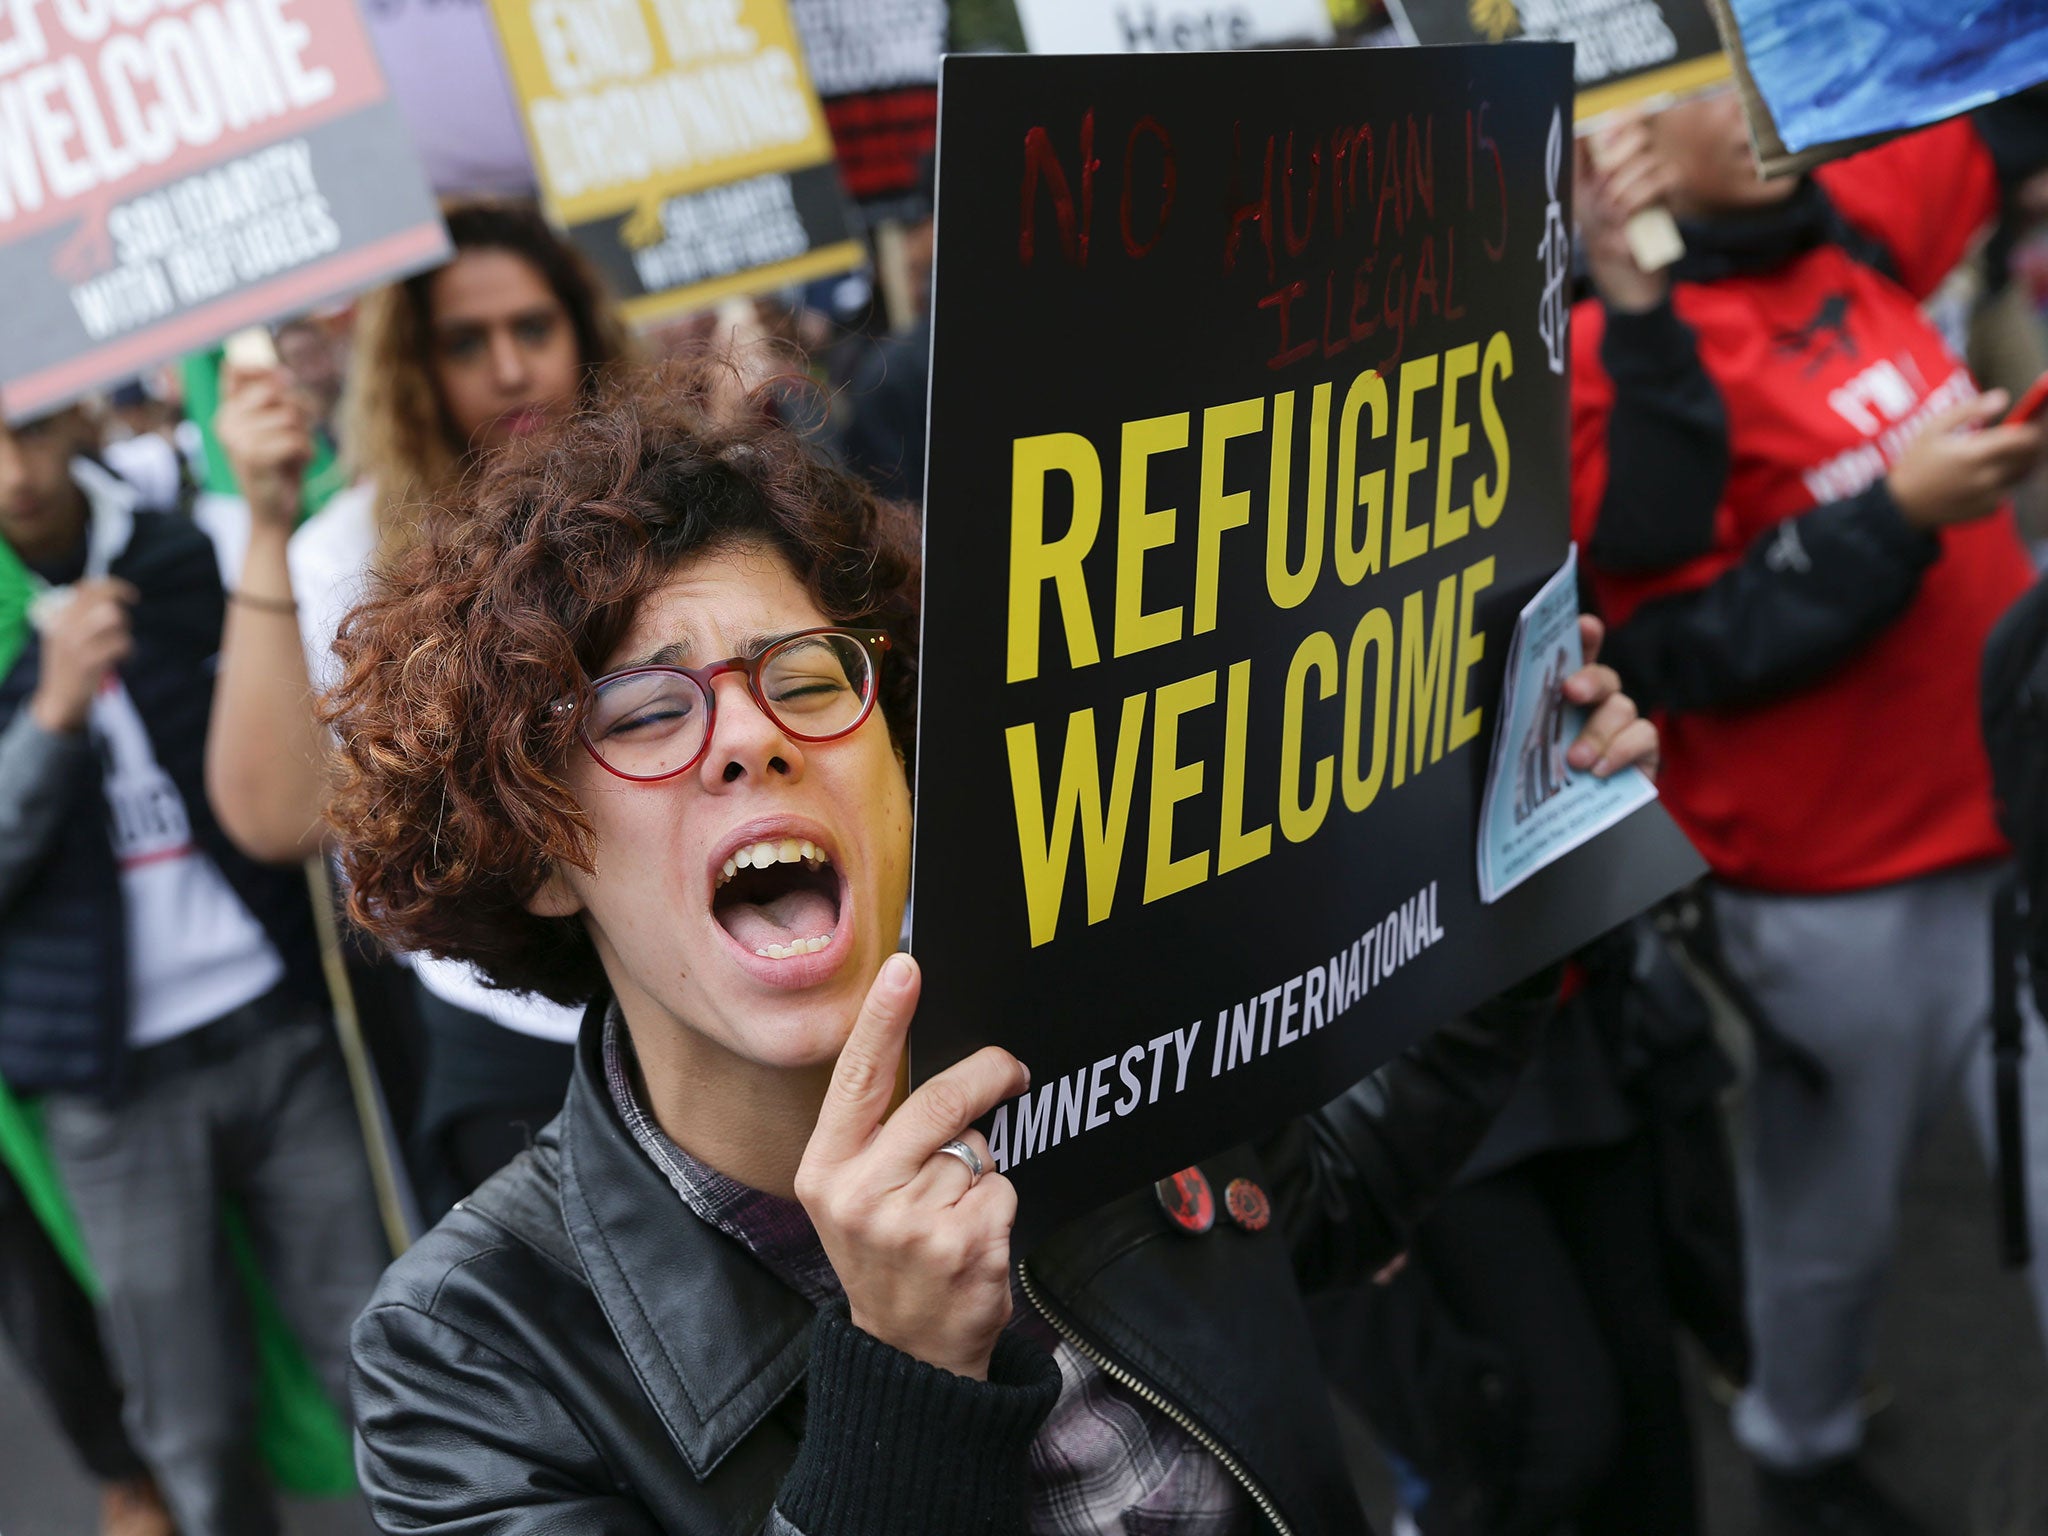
{"points": [[2029, 404]]}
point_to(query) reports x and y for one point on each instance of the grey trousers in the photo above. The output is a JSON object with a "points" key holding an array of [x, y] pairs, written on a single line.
{"points": [[254, 1108], [1890, 989]]}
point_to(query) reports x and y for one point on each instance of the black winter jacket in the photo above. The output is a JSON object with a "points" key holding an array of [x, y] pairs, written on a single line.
{"points": [[63, 956], [573, 1350]]}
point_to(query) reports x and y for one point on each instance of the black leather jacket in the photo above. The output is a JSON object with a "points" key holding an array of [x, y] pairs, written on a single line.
{"points": [[573, 1350]]}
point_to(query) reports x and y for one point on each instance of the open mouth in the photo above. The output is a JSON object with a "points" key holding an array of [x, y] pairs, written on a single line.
{"points": [[779, 898]]}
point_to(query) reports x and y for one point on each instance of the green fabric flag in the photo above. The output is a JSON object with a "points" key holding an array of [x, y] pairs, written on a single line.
{"points": [[301, 1435], [325, 475], [17, 591]]}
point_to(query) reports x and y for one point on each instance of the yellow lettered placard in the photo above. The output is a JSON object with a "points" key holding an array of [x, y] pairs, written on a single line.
{"points": [[679, 142]]}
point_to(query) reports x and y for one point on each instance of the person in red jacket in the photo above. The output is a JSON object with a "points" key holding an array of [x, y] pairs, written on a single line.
{"points": [[1793, 500]]}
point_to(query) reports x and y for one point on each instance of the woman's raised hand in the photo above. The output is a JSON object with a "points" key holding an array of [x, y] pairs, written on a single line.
{"points": [[1619, 174], [921, 1244], [263, 429]]}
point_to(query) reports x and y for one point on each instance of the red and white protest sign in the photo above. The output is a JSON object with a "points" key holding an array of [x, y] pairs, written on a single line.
{"points": [[172, 170]]}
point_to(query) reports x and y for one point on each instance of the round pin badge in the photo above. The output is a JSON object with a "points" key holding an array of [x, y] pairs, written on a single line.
{"points": [[1247, 1204], [1188, 1201]]}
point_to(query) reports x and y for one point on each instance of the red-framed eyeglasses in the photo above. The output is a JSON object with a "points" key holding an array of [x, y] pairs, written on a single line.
{"points": [[647, 724]]}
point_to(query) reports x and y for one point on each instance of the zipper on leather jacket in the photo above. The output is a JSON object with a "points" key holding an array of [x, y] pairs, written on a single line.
{"points": [[1156, 1399]]}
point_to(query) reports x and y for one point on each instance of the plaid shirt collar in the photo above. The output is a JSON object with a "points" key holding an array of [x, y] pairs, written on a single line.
{"points": [[776, 1231], [1103, 1461]]}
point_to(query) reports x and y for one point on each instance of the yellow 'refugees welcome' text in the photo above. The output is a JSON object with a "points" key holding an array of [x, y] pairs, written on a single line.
{"points": [[1399, 675]]}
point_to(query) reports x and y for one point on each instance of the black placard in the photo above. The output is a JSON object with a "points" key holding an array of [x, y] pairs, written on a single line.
{"points": [[1151, 268], [719, 232]]}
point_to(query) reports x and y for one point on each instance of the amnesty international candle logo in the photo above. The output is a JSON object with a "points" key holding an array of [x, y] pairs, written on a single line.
{"points": [[680, 143], [1555, 250], [1244, 455]]}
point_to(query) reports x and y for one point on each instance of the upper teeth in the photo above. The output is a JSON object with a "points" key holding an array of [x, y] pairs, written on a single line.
{"points": [[785, 850]]}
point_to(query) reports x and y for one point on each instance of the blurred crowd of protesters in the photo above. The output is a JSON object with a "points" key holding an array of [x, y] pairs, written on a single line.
{"points": [[1806, 626]]}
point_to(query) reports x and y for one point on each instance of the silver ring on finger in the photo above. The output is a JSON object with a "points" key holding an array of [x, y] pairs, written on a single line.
{"points": [[969, 1159]]}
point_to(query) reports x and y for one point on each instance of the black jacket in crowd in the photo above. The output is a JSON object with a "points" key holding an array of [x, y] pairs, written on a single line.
{"points": [[63, 956], [572, 1349]]}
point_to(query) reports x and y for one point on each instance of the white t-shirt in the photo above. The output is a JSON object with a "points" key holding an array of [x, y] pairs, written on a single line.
{"points": [[330, 568], [149, 464], [330, 559], [194, 951], [225, 520]]}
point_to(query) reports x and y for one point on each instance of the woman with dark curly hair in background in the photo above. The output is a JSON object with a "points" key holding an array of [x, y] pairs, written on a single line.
{"points": [[449, 367], [631, 729]]}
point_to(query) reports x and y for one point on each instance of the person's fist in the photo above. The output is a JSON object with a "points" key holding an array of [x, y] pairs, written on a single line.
{"points": [[919, 1241], [1953, 474], [1619, 174], [264, 430], [83, 639]]}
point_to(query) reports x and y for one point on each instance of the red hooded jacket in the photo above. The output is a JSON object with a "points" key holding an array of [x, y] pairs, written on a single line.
{"points": [[1814, 660]]}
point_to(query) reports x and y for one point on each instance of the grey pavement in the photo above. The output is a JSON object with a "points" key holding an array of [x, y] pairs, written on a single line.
{"points": [[1957, 1349], [1959, 1352]]}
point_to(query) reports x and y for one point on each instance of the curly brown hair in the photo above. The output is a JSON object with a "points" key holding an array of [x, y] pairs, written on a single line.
{"points": [[394, 422], [452, 807]]}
